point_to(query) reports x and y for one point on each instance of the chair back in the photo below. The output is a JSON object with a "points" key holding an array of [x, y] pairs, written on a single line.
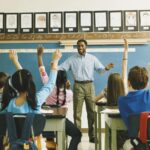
{"points": [[134, 125], [38, 123]]}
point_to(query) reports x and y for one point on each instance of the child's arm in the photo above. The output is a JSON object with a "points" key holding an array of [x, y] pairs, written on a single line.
{"points": [[124, 65], [101, 95], [14, 58], [40, 50], [47, 88], [43, 73]]}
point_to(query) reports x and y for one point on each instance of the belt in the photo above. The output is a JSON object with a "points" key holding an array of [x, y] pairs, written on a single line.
{"points": [[86, 81]]}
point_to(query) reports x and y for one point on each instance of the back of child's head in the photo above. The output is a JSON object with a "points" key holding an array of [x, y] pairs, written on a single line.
{"points": [[61, 78], [115, 88], [21, 81], [138, 77], [3, 78], [61, 83]]}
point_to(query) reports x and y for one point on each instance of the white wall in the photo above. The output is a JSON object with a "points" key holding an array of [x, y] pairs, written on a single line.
{"points": [[70, 5]]}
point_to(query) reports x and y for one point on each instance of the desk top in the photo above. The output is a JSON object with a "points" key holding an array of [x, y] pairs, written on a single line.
{"points": [[57, 113]]}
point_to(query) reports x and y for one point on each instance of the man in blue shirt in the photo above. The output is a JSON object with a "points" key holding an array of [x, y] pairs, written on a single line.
{"points": [[83, 66], [138, 99]]}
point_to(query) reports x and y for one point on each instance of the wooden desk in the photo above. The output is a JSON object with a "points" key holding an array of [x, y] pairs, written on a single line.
{"points": [[99, 107], [114, 123], [56, 122]]}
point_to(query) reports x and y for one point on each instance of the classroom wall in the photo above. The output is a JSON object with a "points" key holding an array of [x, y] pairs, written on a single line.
{"points": [[71, 5], [29, 60], [141, 57]]}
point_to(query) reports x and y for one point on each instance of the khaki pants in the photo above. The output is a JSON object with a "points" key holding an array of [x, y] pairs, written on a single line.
{"points": [[84, 92]]}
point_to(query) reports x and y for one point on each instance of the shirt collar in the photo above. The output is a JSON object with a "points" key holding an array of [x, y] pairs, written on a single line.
{"points": [[81, 55]]}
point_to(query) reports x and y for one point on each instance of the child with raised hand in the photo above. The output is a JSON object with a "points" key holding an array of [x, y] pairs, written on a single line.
{"points": [[117, 84], [19, 95], [60, 96], [116, 87]]}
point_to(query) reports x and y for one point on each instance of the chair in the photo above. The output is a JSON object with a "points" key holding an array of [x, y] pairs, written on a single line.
{"points": [[139, 126], [38, 125]]}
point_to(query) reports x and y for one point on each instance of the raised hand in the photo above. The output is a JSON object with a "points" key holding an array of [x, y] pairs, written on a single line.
{"points": [[13, 55], [14, 58], [125, 44], [56, 55], [55, 58], [40, 50]]}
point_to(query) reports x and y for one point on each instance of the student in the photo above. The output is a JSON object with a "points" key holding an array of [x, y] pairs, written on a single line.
{"points": [[138, 98], [60, 96], [19, 94], [116, 87], [3, 78], [117, 84], [82, 66]]}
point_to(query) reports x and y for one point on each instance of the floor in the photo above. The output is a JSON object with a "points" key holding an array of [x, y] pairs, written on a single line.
{"points": [[84, 145]]}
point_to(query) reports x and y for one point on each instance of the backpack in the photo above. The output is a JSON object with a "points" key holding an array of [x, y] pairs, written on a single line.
{"points": [[21, 143]]}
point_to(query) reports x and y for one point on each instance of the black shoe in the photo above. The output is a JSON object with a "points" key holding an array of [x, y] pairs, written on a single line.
{"points": [[93, 140]]}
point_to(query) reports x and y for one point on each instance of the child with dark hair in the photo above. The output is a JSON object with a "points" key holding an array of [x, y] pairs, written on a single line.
{"points": [[19, 95], [59, 97], [3, 78]]}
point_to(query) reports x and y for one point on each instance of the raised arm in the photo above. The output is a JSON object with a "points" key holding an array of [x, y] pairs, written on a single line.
{"points": [[14, 58], [124, 64], [55, 58], [47, 88], [40, 50], [43, 73]]}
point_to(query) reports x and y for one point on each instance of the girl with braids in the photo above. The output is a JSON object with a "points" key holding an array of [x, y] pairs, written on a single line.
{"points": [[59, 97], [19, 94], [61, 94]]}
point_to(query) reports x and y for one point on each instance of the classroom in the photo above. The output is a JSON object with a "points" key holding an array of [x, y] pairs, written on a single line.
{"points": [[58, 25]]}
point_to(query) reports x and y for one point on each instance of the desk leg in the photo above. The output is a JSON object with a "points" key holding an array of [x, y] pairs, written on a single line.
{"points": [[99, 129], [106, 137], [113, 140], [61, 140], [96, 143]]}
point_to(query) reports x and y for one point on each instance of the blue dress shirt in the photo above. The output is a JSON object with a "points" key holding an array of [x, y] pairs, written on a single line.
{"points": [[82, 66]]}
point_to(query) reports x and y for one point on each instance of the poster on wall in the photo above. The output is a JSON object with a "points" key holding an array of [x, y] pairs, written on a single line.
{"points": [[70, 21], [85, 21], [2, 22], [100, 21], [131, 20], [144, 20], [115, 21], [11, 23], [55, 22], [26, 23], [41, 22]]}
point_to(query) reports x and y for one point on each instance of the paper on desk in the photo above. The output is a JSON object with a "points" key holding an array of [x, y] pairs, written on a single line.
{"points": [[44, 111], [102, 100], [110, 111]]}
